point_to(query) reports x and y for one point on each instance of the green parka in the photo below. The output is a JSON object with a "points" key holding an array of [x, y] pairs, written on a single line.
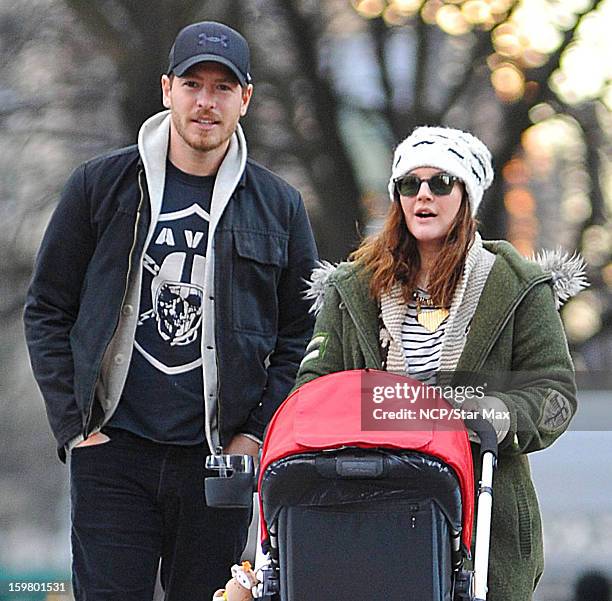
{"points": [[516, 329]]}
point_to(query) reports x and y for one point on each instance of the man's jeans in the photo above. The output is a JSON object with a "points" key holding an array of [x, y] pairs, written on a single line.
{"points": [[135, 501]]}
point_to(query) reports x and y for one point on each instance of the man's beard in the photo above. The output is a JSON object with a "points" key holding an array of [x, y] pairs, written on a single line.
{"points": [[202, 142]]}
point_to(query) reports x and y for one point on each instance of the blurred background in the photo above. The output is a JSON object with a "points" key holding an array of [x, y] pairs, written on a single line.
{"points": [[338, 83]]}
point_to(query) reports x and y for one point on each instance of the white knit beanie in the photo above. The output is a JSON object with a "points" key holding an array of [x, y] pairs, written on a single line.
{"points": [[452, 150]]}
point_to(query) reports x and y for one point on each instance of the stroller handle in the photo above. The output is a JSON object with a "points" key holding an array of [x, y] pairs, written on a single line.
{"points": [[485, 432], [488, 455]]}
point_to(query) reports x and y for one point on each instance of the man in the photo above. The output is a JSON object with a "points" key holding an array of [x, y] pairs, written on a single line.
{"points": [[165, 320]]}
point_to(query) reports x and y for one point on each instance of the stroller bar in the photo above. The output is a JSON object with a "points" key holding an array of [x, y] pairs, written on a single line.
{"points": [[488, 456], [483, 528]]}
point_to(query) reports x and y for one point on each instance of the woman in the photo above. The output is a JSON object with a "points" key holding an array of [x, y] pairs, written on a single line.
{"points": [[428, 298]]}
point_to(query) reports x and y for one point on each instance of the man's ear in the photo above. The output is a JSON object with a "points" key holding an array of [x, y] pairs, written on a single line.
{"points": [[166, 85], [247, 92]]}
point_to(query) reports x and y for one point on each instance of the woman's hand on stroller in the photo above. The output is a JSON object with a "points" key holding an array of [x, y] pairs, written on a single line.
{"points": [[492, 409]]}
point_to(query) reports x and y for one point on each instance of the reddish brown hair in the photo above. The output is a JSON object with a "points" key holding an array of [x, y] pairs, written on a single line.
{"points": [[392, 256]]}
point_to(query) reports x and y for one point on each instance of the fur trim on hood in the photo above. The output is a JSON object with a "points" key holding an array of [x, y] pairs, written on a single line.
{"points": [[316, 284], [568, 273], [568, 277]]}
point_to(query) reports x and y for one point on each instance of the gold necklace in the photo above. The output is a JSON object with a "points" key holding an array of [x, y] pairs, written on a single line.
{"points": [[429, 316]]}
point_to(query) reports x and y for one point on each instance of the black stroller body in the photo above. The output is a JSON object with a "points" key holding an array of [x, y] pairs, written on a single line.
{"points": [[363, 524]]}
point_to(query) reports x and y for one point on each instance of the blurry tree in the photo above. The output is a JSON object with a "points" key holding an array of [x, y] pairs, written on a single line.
{"points": [[497, 58], [54, 92], [136, 37], [38, 133], [478, 64], [333, 69]]}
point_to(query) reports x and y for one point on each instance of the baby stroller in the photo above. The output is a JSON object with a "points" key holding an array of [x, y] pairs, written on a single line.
{"points": [[353, 514]]}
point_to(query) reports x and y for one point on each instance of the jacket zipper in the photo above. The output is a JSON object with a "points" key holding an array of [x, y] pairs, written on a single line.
{"points": [[509, 314], [86, 430]]}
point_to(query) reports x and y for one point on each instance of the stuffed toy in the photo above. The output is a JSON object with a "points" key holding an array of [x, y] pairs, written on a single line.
{"points": [[240, 585]]}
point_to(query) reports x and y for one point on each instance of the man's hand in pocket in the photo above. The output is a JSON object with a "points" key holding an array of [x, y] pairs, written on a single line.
{"points": [[94, 439]]}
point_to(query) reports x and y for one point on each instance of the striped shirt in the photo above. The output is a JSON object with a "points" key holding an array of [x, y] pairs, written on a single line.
{"points": [[422, 348]]}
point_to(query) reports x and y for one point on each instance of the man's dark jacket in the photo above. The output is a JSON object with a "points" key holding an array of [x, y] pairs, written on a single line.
{"points": [[263, 251]]}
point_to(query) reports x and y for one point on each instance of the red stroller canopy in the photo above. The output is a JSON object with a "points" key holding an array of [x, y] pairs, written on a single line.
{"points": [[342, 409]]}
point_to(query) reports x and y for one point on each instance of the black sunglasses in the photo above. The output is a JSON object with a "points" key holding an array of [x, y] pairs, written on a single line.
{"points": [[440, 184]]}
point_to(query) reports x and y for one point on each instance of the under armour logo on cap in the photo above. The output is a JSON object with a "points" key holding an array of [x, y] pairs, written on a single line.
{"points": [[203, 38], [214, 42]]}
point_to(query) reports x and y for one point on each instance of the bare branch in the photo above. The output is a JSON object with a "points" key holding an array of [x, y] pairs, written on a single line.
{"points": [[98, 23], [517, 115], [542, 74], [421, 69], [379, 30], [338, 179], [585, 116], [31, 23], [479, 51], [188, 10]]}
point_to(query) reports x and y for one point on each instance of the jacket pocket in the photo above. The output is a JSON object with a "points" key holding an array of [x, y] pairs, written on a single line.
{"points": [[259, 258]]}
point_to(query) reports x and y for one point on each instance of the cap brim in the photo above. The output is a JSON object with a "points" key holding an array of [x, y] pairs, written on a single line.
{"points": [[182, 68]]}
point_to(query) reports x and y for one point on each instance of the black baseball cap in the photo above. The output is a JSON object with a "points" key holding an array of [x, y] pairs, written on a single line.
{"points": [[210, 41]]}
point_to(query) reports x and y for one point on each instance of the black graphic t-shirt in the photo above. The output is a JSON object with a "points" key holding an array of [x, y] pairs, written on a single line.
{"points": [[163, 395]]}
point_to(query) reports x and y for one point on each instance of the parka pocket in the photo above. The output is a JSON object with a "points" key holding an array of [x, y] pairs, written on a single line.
{"points": [[259, 258]]}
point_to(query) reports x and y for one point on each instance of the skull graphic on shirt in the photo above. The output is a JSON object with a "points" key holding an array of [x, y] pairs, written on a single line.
{"points": [[177, 305]]}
